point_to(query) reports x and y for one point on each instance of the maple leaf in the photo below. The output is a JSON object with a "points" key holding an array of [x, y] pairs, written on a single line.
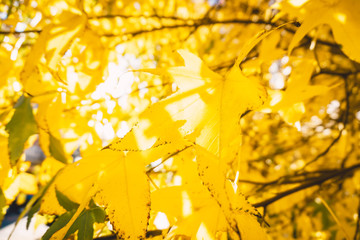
{"points": [[182, 118], [95, 178], [190, 204], [205, 204], [299, 90], [343, 17], [84, 223], [205, 110], [237, 210], [54, 40]]}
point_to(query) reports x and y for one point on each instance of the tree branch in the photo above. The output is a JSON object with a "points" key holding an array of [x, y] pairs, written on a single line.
{"points": [[149, 234], [15, 32], [329, 72], [196, 23], [318, 181], [191, 23], [140, 16]]}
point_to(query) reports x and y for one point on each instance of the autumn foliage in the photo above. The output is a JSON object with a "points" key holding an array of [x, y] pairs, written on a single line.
{"points": [[169, 119]]}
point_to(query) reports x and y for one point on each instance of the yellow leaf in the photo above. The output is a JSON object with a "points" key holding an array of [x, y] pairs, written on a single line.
{"points": [[197, 215], [298, 87], [4, 160], [127, 204], [28, 183], [293, 113], [343, 16], [53, 41], [24, 182], [204, 223], [299, 90], [5, 64], [170, 200], [76, 179], [39, 83], [196, 212], [49, 167], [90, 52], [234, 206], [249, 227], [59, 235], [213, 177], [60, 36], [206, 110]]}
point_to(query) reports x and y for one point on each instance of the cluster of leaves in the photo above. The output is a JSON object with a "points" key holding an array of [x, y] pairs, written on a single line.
{"points": [[250, 131]]}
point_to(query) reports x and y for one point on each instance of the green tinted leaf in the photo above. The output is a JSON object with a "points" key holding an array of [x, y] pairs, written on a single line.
{"points": [[58, 224], [98, 214], [21, 126], [86, 229], [33, 205], [35, 208], [84, 223], [75, 226], [65, 202], [57, 150], [326, 219], [2, 205]]}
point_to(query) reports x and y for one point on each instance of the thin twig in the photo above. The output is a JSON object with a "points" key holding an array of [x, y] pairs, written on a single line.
{"points": [[347, 109], [196, 24], [323, 153], [17, 32]]}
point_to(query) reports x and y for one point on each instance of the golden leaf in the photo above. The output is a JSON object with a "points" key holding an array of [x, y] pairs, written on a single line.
{"points": [[128, 204], [54, 40], [343, 17]]}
